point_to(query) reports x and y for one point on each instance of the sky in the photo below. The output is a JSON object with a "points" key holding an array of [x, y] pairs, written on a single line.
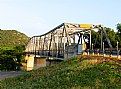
{"points": [[36, 17]]}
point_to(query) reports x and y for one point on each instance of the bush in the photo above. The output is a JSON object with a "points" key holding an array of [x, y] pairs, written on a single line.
{"points": [[10, 59], [7, 63]]}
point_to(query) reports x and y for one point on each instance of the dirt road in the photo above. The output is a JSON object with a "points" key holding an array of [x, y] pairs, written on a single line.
{"points": [[4, 75]]}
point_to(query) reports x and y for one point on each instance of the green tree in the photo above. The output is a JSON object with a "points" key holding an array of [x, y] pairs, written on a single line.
{"points": [[96, 38], [119, 28], [112, 36], [10, 59], [118, 34], [19, 53], [7, 61]]}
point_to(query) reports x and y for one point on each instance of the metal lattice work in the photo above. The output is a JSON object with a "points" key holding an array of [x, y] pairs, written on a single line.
{"points": [[64, 41]]}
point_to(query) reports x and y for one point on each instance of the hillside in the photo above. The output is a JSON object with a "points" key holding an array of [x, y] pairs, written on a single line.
{"points": [[74, 73], [10, 38]]}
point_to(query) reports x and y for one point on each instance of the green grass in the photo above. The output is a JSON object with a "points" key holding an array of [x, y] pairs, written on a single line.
{"points": [[69, 74]]}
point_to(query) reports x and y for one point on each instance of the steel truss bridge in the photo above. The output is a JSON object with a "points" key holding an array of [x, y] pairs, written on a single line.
{"points": [[65, 41]]}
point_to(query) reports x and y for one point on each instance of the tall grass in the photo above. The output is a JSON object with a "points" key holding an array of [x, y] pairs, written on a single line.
{"points": [[73, 73]]}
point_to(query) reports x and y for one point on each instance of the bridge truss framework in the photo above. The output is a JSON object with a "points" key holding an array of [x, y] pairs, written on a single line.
{"points": [[64, 41]]}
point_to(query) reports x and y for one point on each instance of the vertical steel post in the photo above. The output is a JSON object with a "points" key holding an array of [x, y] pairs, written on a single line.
{"points": [[92, 46], [92, 49], [103, 49], [61, 45], [74, 39], [64, 36], [101, 39], [52, 44], [57, 44], [33, 45], [117, 50], [35, 42], [64, 39], [117, 45], [39, 45], [48, 43], [44, 45], [90, 40]]}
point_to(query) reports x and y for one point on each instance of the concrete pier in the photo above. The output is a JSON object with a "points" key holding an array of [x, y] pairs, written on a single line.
{"points": [[39, 62], [34, 62]]}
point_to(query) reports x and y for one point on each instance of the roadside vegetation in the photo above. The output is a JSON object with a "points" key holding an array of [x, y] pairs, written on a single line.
{"points": [[12, 46], [73, 73], [10, 59]]}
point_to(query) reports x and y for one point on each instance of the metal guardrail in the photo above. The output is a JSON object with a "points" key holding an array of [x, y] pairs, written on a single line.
{"points": [[47, 53], [53, 54], [106, 52]]}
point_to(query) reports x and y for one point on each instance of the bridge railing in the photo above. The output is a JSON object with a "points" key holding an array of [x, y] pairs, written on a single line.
{"points": [[49, 53], [114, 52]]}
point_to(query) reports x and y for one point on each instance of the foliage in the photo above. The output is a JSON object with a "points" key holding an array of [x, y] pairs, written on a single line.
{"points": [[118, 34], [12, 46], [119, 28], [10, 38], [112, 36], [10, 59], [7, 63], [96, 38], [69, 74]]}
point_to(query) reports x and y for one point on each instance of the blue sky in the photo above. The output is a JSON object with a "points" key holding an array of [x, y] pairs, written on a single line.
{"points": [[35, 17]]}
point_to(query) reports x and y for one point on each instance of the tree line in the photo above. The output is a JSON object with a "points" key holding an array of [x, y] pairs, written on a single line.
{"points": [[112, 35]]}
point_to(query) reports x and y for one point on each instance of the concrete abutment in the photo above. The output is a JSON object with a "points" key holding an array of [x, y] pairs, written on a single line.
{"points": [[34, 62]]}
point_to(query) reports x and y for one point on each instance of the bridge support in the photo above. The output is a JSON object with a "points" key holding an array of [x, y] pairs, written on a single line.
{"points": [[39, 62], [30, 62], [34, 62]]}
